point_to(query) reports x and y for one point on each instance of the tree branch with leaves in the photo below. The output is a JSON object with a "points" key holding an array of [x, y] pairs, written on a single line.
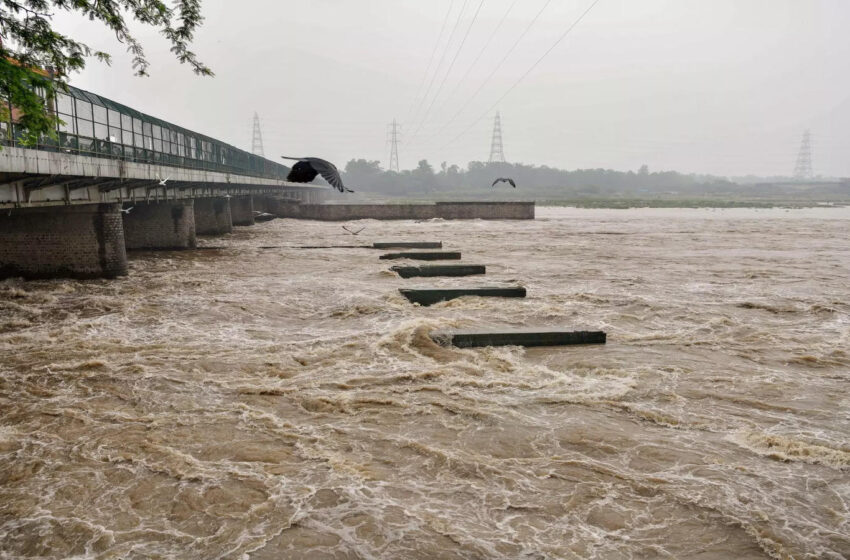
{"points": [[36, 60]]}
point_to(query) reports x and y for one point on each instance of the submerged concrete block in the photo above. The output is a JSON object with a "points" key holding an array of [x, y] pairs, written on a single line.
{"points": [[439, 270], [425, 256], [431, 296], [517, 337], [408, 245]]}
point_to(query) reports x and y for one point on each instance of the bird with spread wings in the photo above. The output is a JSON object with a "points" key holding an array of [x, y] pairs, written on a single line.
{"points": [[306, 169], [504, 180]]}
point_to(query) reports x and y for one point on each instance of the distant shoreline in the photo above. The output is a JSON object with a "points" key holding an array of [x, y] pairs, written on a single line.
{"points": [[613, 203], [625, 203]]}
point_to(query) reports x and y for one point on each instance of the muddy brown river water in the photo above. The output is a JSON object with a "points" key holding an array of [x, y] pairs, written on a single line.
{"points": [[281, 403]]}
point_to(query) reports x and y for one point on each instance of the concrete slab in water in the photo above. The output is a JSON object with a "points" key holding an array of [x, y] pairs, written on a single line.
{"points": [[431, 296], [517, 337], [408, 245], [439, 270], [425, 256]]}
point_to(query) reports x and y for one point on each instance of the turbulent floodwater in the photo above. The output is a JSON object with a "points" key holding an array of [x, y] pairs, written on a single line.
{"points": [[281, 403]]}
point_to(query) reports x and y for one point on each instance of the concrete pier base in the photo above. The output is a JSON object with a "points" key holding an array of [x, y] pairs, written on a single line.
{"points": [[212, 216], [517, 337], [439, 270], [261, 203], [163, 225], [425, 256], [85, 241], [242, 210], [280, 207], [432, 296]]}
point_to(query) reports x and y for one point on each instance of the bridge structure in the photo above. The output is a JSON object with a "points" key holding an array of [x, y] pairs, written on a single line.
{"points": [[115, 179]]}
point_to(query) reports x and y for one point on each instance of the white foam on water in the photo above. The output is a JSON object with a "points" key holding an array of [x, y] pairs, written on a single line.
{"points": [[288, 403]]}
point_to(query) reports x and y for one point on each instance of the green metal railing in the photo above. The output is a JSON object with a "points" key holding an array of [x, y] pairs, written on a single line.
{"points": [[95, 126]]}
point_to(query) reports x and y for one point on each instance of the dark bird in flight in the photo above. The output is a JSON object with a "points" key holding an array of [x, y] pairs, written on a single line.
{"points": [[504, 180], [353, 232], [308, 167]]}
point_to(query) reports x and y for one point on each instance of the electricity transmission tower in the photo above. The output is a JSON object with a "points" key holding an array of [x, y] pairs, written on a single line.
{"points": [[803, 168], [257, 142], [496, 153], [392, 138]]}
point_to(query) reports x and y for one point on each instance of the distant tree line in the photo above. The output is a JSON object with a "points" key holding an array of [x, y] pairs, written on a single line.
{"points": [[540, 181]]}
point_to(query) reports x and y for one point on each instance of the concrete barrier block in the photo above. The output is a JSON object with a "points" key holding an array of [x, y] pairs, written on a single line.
{"points": [[439, 270], [517, 337], [408, 245], [427, 256], [432, 296]]}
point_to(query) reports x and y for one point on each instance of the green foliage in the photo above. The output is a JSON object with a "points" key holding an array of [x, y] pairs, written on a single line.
{"points": [[29, 46]]}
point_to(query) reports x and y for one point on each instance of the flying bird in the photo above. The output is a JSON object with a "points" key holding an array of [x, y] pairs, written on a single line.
{"points": [[504, 180], [353, 232], [127, 210], [308, 167], [163, 181]]}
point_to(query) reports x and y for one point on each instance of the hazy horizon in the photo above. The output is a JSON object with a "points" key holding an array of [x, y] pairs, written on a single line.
{"points": [[723, 87]]}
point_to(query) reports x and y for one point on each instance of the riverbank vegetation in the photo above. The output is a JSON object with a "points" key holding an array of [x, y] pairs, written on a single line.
{"points": [[588, 188]]}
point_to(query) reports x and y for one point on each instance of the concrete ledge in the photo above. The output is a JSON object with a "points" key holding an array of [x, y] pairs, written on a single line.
{"points": [[443, 210], [485, 210], [432, 296], [429, 256], [409, 245], [517, 337], [439, 270]]}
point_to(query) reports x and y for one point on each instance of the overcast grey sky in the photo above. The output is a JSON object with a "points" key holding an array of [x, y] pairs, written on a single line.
{"points": [[708, 86]]}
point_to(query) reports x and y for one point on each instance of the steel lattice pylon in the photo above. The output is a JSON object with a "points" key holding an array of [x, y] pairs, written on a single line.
{"points": [[497, 153], [392, 138], [257, 142], [803, 168]]}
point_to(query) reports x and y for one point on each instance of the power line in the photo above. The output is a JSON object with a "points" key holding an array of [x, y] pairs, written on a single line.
{"points": [[496, 69], [481, 52], [442, 58], [451, 66], [431, 59], [527, 72]]}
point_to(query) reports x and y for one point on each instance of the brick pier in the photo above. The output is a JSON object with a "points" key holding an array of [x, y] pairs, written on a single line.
{"points": [[160, 225], [85, 241], [212, 216]]}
